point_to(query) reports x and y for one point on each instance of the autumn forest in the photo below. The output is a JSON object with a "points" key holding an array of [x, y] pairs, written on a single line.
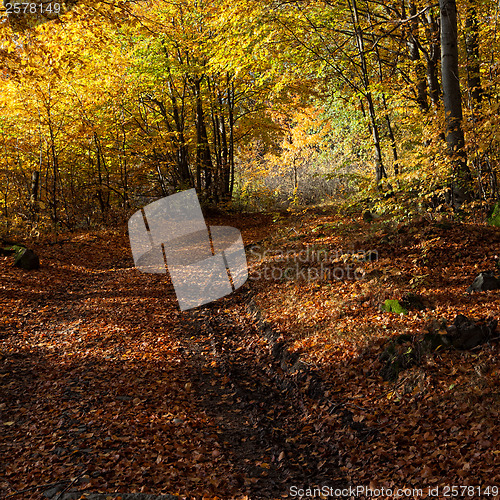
{"points": [[355, 146], [288, 102]]}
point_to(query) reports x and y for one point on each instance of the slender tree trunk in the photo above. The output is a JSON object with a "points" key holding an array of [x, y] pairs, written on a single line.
{"points": [[475, 94], [203, 155], [55, 172], [217, 142], [379, 165], [230, 106], [217, 152], [182, 152], [452, 100], [181, 145], [161, 178], [182, 174], [390, 131], [392, 138], [35, 182], [100, 196], [473, 62], [226, 168], [124, 169], [432, 56], [35, 178], [414, 52], [5, 193]]}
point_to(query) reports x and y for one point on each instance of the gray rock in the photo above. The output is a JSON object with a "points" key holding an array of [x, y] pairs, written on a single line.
{"points": [[54, 490], [467, 334], [483, 282]]}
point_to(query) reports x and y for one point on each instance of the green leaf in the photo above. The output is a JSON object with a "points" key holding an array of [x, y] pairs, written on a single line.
{"points": [[394, 306]]}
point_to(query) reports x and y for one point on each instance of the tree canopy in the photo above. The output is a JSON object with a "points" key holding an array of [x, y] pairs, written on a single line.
{"points": [[105, 105]]}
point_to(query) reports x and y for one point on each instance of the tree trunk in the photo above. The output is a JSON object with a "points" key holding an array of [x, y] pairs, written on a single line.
{"points": [[432, 56], [472, 48], [55, 170], [390, 131], [35, 179], [452, 100], [182, 152], [100, 197], [226, 169], [203, 155], [414, 52], [230, 106], [379, 165]]}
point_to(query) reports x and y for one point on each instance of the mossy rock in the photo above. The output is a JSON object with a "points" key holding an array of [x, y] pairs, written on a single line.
{"points": [[445, 225], [403, 352], [394, 306], [494, 216], [25, 258], [435, 341], [17, 249], [398, 357], [367, 216], [390, 350]]}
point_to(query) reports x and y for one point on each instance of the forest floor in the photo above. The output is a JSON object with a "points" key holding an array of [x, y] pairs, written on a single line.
{"points": [[106, 386]]}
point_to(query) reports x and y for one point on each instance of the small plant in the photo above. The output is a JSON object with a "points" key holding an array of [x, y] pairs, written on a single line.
{"points": [[394, 306]]}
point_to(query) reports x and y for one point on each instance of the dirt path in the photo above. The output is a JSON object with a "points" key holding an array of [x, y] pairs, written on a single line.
{"points": [[263, 421], [106, 387]]}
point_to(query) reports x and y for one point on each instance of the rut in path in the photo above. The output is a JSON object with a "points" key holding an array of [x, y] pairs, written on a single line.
{"points": [[263, 421]]}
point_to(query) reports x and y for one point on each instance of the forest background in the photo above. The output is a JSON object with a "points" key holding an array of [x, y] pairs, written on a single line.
{"points": [[108, 106]]}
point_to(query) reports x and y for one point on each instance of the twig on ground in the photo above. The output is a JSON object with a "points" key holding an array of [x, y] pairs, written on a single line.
{"points": [[9, 483], [31, 488], [70, 485]]}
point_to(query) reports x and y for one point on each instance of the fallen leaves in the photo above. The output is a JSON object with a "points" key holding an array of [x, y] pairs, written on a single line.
{"points": [[92, 377], [415, 437], [100, 372]]}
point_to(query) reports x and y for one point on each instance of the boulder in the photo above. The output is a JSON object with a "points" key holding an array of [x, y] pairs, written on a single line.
{"points": [[403, 351], [26, 259], [433, 342], [409, 301], [367, 216], [412, 301], [483, 282], [398, 355], [467, 334]]}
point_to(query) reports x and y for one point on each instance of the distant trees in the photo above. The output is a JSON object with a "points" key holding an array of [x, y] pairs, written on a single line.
{"points": [[135, 100]]}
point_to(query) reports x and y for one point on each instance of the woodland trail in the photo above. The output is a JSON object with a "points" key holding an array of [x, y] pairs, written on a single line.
{"points": [[262, 415], [107, 387]]}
